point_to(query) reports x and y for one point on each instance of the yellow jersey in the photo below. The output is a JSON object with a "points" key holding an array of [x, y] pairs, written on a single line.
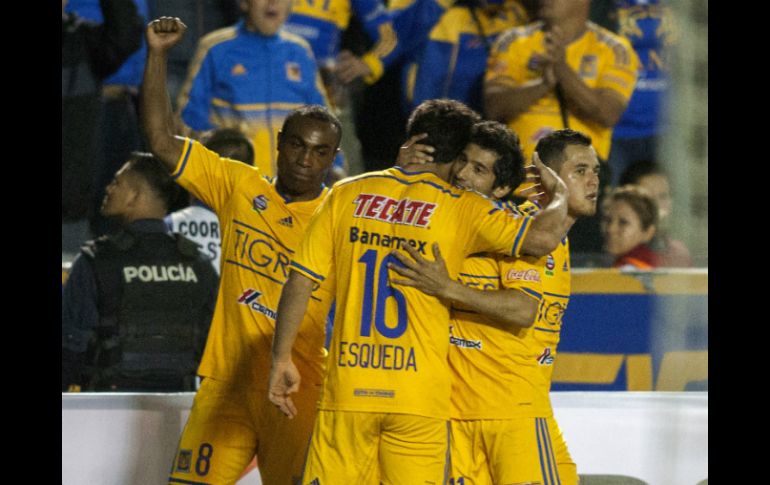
{"points": [[601, 59], [260, 231], [487, 363], [498, 374], [389, 344]]}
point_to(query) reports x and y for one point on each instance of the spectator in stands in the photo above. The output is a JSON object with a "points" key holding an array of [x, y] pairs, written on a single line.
{"points": [[322, 24], [90, 53], [629, 223], [250, 76], [454, 59], [562, 72], [650, 176], [199, 222], [651, 29], [203, 17], [138, 303]]}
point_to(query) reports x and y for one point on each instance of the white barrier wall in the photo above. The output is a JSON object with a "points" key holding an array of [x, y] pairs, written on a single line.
{"points": [[661, 438]]}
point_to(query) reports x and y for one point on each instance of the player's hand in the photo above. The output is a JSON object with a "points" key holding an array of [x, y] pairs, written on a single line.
{"points": [[350, 67], [284, 381], [531, 188], [413, 152], [164, 33], [430, 277], [549, 181], [555, 45]]}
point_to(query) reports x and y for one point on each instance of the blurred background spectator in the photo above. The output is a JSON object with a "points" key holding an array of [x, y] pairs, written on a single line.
{"points": [[651, 29], [650, 176], [90, 53], [629, 223], [249, 76]]}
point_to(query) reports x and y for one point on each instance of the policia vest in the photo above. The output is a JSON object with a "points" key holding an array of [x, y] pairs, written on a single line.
{"points": [[156, 296]]}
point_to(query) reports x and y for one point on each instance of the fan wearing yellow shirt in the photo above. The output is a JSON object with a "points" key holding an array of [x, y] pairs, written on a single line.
{"points": [[560, 72], [504, 335], [384, 405], [262, 221]]}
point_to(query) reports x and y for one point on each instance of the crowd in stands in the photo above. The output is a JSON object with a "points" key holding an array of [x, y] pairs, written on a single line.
{"points": [[600, 69]]}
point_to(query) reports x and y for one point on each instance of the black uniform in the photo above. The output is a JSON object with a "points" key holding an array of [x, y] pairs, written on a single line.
{"points": [[136, 311]]}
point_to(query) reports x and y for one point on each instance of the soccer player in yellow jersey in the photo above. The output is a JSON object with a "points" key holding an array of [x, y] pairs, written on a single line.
{"points": [[262, 222], [385, 399], [506, 321], [560, 72]]}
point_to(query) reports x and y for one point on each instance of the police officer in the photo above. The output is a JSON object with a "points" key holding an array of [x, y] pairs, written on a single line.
{"points": [[137, 305]]}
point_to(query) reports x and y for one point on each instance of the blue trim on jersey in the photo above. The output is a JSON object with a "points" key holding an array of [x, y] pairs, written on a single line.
{"points": [[555, 294], [188, 482], [479, 276], [553, 470], [253, 271], [519, 237], [448, 454], [547, 448], [546, 330], [406, 182], [236, 221], [492, 211], [532, 293], [288, 200], [407, 172], [540, 451], [304, 269], [184, 160]]}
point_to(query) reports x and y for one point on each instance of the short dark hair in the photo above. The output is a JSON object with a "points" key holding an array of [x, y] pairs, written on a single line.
{"points": [[225, 139], [639, 169], [448, 124], [640, 201], [315, 112], [496, 137], [154, 172], [551, 147]]}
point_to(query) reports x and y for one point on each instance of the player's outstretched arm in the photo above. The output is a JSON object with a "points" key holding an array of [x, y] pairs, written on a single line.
{"points": [[155, 106], [284, 376]]}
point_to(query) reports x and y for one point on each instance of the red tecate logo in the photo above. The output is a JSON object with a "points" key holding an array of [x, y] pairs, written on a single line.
{"points": [[403, 211]]}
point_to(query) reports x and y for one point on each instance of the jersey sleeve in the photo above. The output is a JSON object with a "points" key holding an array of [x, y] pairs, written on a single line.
{"points": [[196, 94], [502, 66], [208, 176], [433, 64], [524, 274], [496, 230], [378, 24], [412, 20], [620, 72]]}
